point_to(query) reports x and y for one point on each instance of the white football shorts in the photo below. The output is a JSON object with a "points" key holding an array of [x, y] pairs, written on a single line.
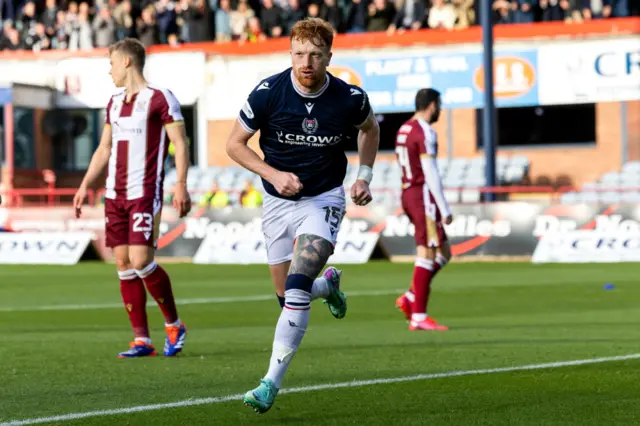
{"points": [[284, 220]]}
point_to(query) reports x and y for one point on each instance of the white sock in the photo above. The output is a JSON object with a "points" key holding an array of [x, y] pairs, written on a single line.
{"points": [[175, 324], [410, 296], [418, 317], [441, 260], [290, 330], [320, 288], [144, 340]]}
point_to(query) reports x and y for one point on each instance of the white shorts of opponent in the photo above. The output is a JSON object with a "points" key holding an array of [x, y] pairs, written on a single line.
{"points": [[284, 220]]}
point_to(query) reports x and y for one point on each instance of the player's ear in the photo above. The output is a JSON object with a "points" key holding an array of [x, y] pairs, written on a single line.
{"points": [[329, 56]]}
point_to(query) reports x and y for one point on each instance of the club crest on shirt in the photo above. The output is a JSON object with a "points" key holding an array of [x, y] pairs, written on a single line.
{"points": [[141, 106], [309, 125]]}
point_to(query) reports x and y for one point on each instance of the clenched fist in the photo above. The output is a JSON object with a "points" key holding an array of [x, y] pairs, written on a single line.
{"points": [[287, 184], [360, 193]]}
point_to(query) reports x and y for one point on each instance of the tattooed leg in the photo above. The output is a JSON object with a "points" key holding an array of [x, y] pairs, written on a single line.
{"points": [[309, 257], [310, 254]]}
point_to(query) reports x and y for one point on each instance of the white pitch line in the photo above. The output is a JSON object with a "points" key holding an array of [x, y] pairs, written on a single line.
{"points": [[199, 301], [352, 384]]}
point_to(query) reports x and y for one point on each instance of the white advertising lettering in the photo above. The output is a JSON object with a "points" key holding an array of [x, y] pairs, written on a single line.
{"points": [[225, 244], [380, 99], [202, 227], [588, 246], [590, 71], [43, 248], [547, 224], [462, 226]]}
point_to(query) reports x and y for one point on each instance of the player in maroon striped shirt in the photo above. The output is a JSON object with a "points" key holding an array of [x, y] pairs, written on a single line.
{"points": [[424, 203], [140, 122]]}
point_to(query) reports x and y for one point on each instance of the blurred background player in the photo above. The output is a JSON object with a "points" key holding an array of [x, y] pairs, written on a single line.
{"points": [[303, 174], [424, 203], [140, 121]]}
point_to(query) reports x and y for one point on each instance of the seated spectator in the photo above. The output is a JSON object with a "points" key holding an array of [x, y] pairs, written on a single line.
{"points": [[195, 28], [381, 14], [523, 11], [104, 28], [216, 197], [441, 15], [357, 16], [293, 14], [503, 12], [272, 19], [313, 10], [223, 21], [123, 20], [26, 24], [166, 19], [331, 13], [250, 196], [550, 11], [49, 17], [571, 11], [465, 13], [10, 38], [60, 38], [40, 41], [146, 26], [596, 9], [80, 35], [254, 31], [240, 20], [411, 16]]}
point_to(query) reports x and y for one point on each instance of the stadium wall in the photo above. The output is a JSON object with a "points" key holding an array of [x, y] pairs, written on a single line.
{"points": [[215, 79]]}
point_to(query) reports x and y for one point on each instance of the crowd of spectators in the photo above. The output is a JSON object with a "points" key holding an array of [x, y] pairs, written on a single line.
{"points": [[79, 25]]}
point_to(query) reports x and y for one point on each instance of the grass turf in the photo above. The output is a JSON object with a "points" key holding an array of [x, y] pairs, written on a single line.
{"points": [[62, 359]]}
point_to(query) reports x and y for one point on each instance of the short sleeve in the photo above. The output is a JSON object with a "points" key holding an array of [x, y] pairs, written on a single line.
{"points": [[253, 113], [107, 115], [169, 108], [359, 105]]}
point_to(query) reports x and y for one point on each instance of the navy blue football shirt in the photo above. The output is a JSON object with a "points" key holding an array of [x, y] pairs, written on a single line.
{"points": [[305, 134]]}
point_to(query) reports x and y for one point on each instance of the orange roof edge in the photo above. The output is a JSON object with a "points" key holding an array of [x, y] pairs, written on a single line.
{"points": [[514, 32]]}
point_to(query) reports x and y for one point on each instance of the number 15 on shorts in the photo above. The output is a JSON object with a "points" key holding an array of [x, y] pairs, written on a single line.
{"points": [[333, 216]]}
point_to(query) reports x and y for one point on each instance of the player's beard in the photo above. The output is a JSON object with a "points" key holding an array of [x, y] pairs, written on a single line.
{"points": [[309, 79]]}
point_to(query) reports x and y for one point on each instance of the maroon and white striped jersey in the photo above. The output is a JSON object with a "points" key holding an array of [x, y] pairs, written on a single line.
{"points": [[139, 142]]}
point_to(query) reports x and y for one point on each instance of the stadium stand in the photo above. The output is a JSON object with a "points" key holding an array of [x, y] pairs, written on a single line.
{"points": [[462, 177], [621, 186], [84, 25]]}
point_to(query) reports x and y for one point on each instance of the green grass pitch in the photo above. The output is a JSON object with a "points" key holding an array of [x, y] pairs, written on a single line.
{"points": [[63, 326]]}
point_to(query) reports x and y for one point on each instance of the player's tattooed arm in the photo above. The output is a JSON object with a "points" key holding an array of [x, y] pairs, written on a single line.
{"points": [[310, 254]]}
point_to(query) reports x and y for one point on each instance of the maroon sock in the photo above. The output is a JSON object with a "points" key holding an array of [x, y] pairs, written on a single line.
{"points": [[422, 274], [159, 285], [134, 297]]}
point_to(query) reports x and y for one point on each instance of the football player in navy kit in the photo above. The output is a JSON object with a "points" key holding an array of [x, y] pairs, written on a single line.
{"points": [[304, 116]]}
